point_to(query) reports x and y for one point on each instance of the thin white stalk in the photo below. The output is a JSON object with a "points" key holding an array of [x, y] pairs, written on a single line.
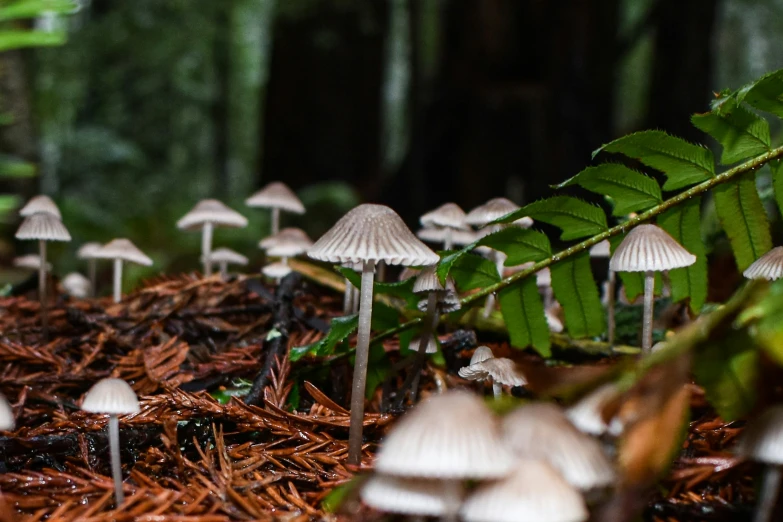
{"points": [[425, 337], [117, 280], [454, 493], [206, 248], [610, 290], [92, 272], [769, 494], [489, 305], [223, 269], [497, 389], [347, 297], [649, 294], [355, 301], [42, 287], [448, 241], [275, 220], [360, 366], [114, 451]]}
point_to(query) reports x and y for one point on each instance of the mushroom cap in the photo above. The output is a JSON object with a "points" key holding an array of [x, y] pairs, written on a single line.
{"points": [[289, 245], [493, 209], [481, 354], [123, 249], [276, 270], [769, 266], [211, 211], [287, 236], [534, 491], [451, 435], [76, 285], [432, 346], [499, 369], [427, 280], [88, 250], [438, 235], [410, 496], [112, 396], [276, 195], [524, 222], [40, 203], [43, 225], [553, 321], [587, 414], [762, 439], [31, 261], [448, 302], [405, 274], [649, 248], [601, 249], [542, 431], [448, 215], [372, 233], [226, 255], [6, 415]]}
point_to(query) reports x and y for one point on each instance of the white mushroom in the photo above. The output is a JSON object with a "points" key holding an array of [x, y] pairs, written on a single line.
{"points": [[205, 216], [276, 196]]}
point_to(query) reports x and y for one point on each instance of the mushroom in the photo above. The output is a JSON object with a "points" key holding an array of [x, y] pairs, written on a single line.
{"points": [[587, 414], [289, 245], [448, 217], [534, 491], [649, 249], [43, 227], [76, 285], [276, 196], [458, 237], [114, 397], [205, 216], [761, 442], [769, 266], [31, 262], [481, 354], [120, 250], [542, 431], [415, 497], [351, 293], [500, 371], [368, 234], [87, 251], [602, 250], [224, 257], [40, 203], [7, 420], [276, 271]]}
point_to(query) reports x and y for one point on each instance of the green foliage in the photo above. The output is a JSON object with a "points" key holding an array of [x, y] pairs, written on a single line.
{"points": [[523, 313], [741, 133], [575, 217], [339, 330], [402, 289], [378, 368], [628, 190], [575, 289], [469, 271]]}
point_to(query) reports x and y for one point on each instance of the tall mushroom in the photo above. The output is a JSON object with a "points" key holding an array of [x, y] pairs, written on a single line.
{"points": [[87, 251], [276, 196], [205, 216], [120, 250], [649, 249], [761, 442], [40, 203], [43, 227], [224, 257], [368, 234], [113, 397], [448, 217]]}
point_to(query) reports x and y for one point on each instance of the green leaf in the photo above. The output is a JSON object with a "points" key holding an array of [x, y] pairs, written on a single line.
{"points": [[8, 203], [378, 368], [20, 39], [11, 167], [683, 223], [523, 313], [742, 216], [578, 219], [741, 133], [33, 8], [630, 191], [575, 289], [683, 163], [519, 244], [401, 289], [384, 317], [776, 167], [339, 330], [470, 271], [765, 94]]}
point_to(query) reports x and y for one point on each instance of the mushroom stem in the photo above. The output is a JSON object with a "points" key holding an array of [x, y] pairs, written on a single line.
{"points": [[117, 289], [42, 287], [448, 240], [489, 305], [454, 493], [649, 292], [355, 300], [223, 269], [206, 247], [116, 465], [360, 366], [347, 297], [768, 495], [430, 324], [497, 389], [92, 272], [381, 271], [275, 221], [610, 290]]}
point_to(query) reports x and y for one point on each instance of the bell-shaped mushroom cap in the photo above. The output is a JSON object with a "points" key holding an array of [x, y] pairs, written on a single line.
{"points": [[289, 235], [211, 211], [125, 250], [448, 215], [451, 435], [372, 233], [500, 369], [76, 285], [439, 235], [40, 203], [448, 302], [6, 415], [409, 496], [226, 255], [481, 354], [762, 439], [43, 225], [649, 248], [406, 273], [601, 249], [490, 211], [427, 280], [587, 414], [113, 396], [88, 250], [769, 266], [553, 321], [534, 491], [432, 346], [276, 195], [542, 431], [276, 270], [31, 261]]}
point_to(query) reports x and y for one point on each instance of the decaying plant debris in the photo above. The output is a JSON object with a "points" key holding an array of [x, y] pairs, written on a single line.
{"points": [[191, 458]]}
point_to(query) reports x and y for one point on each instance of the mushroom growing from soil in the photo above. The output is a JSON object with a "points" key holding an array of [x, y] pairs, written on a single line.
{"points": [[414, 497], [6, 415], [224, 257], [87, 251], [368, 234], [40, 203], [276, 196], [448, 217], [113, 397], [761, 441], [76, 285], [500, 371], [769, 266], [120, 250], [43, 227], [205, 216], [649, 249]]}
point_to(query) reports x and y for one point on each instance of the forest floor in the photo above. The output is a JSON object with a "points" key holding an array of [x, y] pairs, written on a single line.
{"points": [[184, 343]]}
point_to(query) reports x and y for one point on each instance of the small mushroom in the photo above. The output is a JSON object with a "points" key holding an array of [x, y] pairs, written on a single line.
{"points": [[368, 234], [87, 251], [415, 497], [649, 249], [499, 370], [40, 203], [458, 237], [205, 216], [224, 257], [276, 196], [481, 354], [587, 414], [448, 217], [769, 266], [761, 442], [277, 271], [7, 420], [76, 285], [120, 250], [113, 397], [31, 262]]}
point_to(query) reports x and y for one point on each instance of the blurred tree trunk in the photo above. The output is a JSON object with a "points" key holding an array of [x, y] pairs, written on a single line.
{"points": [[250, 37]]}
